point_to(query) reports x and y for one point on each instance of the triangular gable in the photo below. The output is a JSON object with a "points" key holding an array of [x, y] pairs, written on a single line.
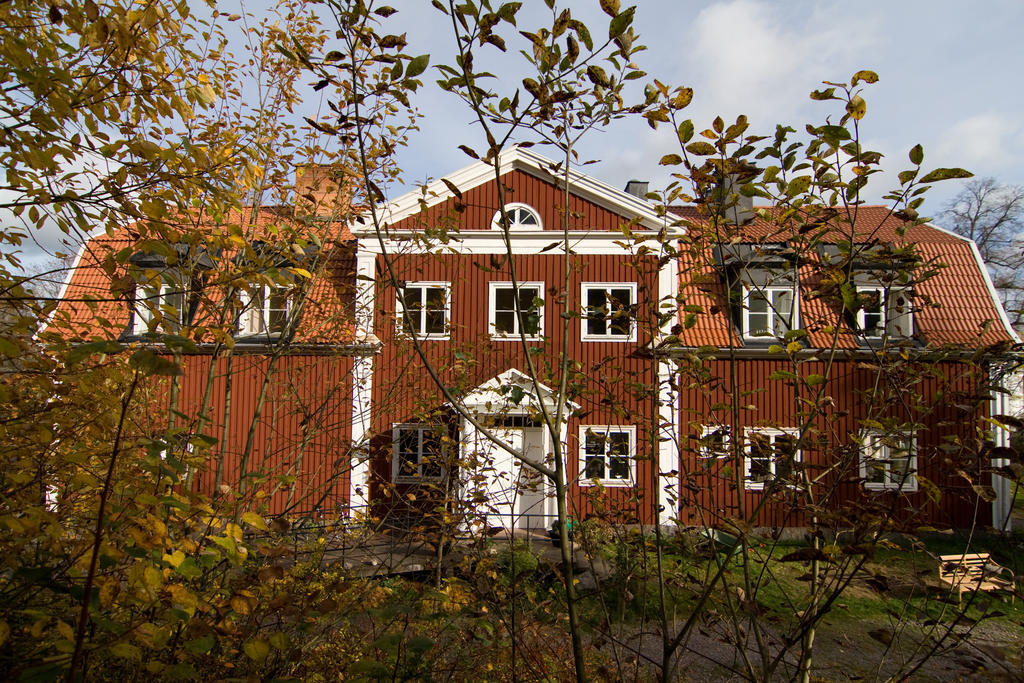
{"points": [[497, 396], [518, 158]]}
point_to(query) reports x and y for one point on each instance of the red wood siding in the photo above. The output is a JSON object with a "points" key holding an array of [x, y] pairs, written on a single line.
{"points": [[478, 205], [304, 430], [609, 374], [937, 398]]}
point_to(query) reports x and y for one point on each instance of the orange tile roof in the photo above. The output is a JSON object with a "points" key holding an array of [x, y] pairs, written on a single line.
{"points": [[954, 305], [97, 297]]}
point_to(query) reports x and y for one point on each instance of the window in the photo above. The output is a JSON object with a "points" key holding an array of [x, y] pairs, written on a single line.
{"points": [[266, 311], [768, 311], [418, 453], [884, 312], [424, 309], [520, 217], [714, 441], [607, 455], [888, 461], [508, 323], [608, 311], [770, 455], [161, 301]]}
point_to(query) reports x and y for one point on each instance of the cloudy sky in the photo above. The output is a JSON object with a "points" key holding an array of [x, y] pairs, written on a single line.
{"points": [[949, 79]]}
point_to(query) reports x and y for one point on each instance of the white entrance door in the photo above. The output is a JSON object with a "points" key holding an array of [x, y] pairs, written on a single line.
{"points": [[515, 495]]}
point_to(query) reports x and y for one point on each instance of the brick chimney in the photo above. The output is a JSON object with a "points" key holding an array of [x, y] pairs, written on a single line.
{"points": [[320, 191]]}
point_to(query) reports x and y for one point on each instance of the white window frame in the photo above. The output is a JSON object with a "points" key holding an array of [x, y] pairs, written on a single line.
{"points": [[585, 334], [872, 448], [421, 428], [606, 430], [748, 433], [514, 224], [151, 297], [254, 321], [769, 291], [704, 450], [894, 317], [492, 289], [420, 316]]}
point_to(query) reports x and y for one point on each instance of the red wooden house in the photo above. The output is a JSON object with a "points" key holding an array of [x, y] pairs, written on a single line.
{"points": [[472, 338]]}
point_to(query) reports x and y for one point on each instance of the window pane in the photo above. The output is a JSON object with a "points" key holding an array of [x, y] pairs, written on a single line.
{"points": [[618, 468], [408, 452], [622, 319], [412, 301], [594, 444], [596, 312], [783, 313], [618, 443], [435, 322], [760, 469], [277, 312], [431, 454], [594, 468], [435, 297], [526, 217], [875, 472], [503, 299], [504, 322], [760, 455], [757, 303], [531, 323]]}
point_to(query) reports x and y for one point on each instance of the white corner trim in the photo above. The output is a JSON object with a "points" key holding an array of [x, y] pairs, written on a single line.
{"points": [[359, 458]]}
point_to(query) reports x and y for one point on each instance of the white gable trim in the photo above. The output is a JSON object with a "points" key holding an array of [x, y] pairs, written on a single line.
{"points": [[518, 158]]}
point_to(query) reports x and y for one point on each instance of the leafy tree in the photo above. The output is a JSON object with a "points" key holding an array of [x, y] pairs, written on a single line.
{"points": [[992, 215]]}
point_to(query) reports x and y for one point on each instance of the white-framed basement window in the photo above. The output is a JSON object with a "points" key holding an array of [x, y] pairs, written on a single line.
{"points": [[769, 312], [265, 311], [770, 454], [520, 216], [418, 453], [608, 311], [424, 309], [888, 461], [607, 455], [503, 320]]}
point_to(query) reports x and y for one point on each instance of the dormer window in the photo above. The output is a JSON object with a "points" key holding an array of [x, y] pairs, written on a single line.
{"points": [[265, 311], [768, 312], [160, 303], [763, 278], [168, 277], [519, 216], [883, 312]]}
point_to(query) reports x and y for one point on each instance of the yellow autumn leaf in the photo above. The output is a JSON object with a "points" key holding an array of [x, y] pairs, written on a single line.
{"points": [[65, 630], [175, 558], [255, 520]]}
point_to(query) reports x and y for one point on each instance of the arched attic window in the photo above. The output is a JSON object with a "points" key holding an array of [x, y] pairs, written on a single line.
{"points": [[520, 217]]}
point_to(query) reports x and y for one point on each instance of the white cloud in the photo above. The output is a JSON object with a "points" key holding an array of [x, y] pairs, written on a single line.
{"points": [[982, 143], [752, 56]]}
